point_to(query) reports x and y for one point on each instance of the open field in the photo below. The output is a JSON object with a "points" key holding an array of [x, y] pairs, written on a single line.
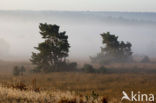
{"points": [[84, 51], [107, 85], [76, 85]]}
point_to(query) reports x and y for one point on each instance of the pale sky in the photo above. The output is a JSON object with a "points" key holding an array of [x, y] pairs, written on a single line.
{"points": [[80, 5]]}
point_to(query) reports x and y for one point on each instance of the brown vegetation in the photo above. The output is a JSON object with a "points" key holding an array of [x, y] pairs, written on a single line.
{"points": [[108, 86]]}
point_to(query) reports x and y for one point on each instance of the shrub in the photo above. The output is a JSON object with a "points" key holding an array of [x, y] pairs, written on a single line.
{"points": [[88, 68], [102, 69], [22, 70], [72, 66], [16, 71], [146, 59]]}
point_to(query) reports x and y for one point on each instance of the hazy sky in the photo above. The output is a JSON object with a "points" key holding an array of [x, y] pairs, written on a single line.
{"points": [[83, 5]]}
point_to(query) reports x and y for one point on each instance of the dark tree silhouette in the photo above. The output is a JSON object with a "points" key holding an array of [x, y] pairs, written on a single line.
{"points": [[114, 50], [52, 51]]}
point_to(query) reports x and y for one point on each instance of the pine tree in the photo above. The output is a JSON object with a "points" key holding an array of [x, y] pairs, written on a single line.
{"points": [[114, 50], [52, 51]]}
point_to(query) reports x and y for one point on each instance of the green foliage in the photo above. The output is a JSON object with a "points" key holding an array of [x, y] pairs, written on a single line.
{"points": [[114, 50], [70, 66], [66, 67], [88, 68], [52, 51], [102, 69]]}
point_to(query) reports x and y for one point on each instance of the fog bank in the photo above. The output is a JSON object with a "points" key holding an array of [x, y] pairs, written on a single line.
{"points": [[19, 31]]}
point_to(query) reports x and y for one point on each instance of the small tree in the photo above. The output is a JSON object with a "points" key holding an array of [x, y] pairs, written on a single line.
{"points": [[16, 71], [52, 51], [114, 50]]}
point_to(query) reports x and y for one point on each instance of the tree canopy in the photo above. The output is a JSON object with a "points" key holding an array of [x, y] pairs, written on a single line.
{"points": [[53, 50], [114, 50]]}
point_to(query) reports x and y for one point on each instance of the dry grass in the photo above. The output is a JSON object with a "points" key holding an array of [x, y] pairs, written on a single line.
{"points": [[76, 85], [16, 95], [105, 85]]}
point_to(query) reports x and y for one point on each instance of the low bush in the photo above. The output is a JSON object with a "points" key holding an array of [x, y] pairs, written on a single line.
{"points": [[88, 68]]}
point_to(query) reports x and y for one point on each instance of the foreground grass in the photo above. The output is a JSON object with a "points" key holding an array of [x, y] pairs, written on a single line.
{"points": [[83, 84], [10, 95]]}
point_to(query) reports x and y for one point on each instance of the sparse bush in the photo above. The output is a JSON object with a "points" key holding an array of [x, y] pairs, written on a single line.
{"points": [[88, 68], [72, 65], [22, 70], [16, 71], [19, 85], [35, 70], [146, 59], [62, 67], [102, 69]]}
